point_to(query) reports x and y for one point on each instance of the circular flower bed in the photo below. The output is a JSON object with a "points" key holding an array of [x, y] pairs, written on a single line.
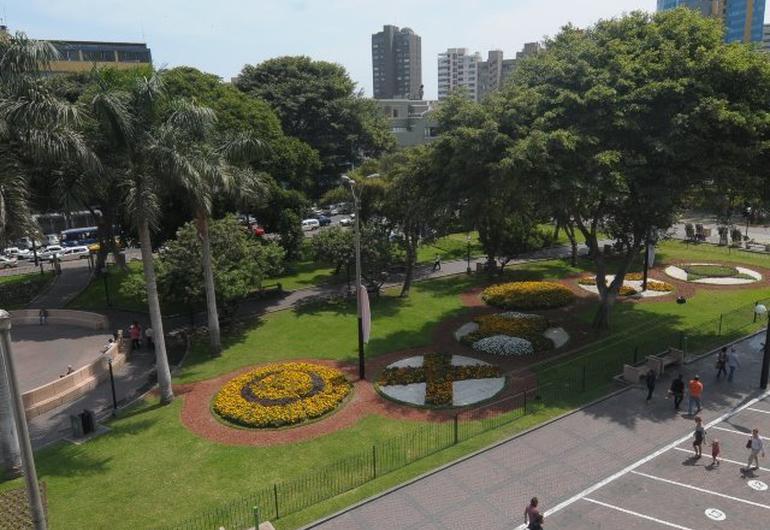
{"points": [[713, 273], [632, 285], [439, 380], [528, 295], [523, 326], [281, 394]]}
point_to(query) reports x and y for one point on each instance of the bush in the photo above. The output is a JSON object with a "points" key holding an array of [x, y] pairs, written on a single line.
{"points": [[528, 295]]}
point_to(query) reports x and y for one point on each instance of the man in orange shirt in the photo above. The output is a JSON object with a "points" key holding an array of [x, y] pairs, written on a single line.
{"points": [[696, 391]]}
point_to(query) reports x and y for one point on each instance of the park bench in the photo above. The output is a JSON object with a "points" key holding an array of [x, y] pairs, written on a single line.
{"points": [[658, 363]]}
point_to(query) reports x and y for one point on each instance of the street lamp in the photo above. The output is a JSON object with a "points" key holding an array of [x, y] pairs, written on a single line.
{"points": [[346, 180], [106, 286], [761, 310], [468, 242], [22, 431], [112, 385]]}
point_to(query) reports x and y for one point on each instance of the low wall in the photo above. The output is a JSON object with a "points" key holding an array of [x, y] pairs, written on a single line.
{"points": [[66, 317], [70, 387]]}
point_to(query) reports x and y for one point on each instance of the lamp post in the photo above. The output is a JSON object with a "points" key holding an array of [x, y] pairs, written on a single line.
{"points": [[357, 242], [106, 286], [468, 242], [112, 385], [22, 431], [761, 310]]}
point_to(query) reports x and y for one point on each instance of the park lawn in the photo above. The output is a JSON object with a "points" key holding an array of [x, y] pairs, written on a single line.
{"points": [[450, 247], [303, 274], [18, 295], [93, 296]]}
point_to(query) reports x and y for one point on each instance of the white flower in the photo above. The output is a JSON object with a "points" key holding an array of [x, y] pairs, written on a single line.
{"points": [[504, 345], [515, 315]]}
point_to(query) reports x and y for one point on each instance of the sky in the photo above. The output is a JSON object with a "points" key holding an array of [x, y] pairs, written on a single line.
{"points": [[220, 37]]}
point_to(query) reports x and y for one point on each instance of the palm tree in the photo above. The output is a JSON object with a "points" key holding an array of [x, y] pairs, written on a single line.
{"points": [[34, 126]]}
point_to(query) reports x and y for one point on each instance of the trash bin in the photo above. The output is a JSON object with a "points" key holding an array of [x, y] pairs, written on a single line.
{"points": [[76, 423], [88, 420]]}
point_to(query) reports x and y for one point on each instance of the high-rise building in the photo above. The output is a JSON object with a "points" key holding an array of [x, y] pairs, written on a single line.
{"points": [[457, 68], [743, 19], [766, 38], [490, 74], [397, 64]]}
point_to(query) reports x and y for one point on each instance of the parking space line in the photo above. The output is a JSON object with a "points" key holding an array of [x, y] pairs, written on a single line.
{"points": [[702, 490], [648, 458], [742, 464], [759, 410], [637, 514], [737, 432]]}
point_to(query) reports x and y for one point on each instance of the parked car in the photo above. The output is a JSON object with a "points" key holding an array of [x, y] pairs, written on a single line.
{"points": [[50, 239], [26, 243], [256, 230], [18, 253], [323, 220], [76, 253], [346, 221], [7, 263], [51, 251], [310, 224]]}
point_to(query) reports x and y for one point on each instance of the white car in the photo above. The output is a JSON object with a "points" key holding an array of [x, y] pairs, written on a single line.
{"points": [[7, 263], [51, 251], [51, 239], [310, 224], [18, 253], [76, 253], [346, 221]]}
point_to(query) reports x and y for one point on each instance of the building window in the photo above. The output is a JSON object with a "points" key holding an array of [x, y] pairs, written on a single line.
{"points": [[102, 56], [399, 129]]}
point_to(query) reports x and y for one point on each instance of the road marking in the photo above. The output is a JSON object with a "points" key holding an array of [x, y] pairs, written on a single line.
{"points": [[637, 514], [738, 432], [647, 458], [759, 410], [721, 459], [757, 485], [702, 490], [715, 514]]}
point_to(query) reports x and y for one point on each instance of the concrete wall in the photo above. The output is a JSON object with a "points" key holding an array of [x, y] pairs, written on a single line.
{"points": [[80, 319]]}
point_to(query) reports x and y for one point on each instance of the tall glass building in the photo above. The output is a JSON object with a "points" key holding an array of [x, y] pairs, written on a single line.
{"points": [[743, 19]]}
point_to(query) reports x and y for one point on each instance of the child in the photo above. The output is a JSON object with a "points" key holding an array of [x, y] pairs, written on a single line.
{"points": [[715, 453]]}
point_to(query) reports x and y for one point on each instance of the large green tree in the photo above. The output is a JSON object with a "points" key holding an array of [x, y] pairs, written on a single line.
{"points": [[317, 102]]}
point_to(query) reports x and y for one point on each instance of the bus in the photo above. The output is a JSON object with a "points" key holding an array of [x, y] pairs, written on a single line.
{"points": [[78, 236]]}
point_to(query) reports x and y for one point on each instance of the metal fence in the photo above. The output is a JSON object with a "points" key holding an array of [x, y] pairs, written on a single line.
{"points": [[588, 374]]}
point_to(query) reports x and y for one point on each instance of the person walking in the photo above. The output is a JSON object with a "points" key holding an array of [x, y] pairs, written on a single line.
{"points": [[531, 512], [732, 363], [148, 335], [677, 391], [696, 392], [135, 332], [43, 316], [699, 436], [536, 523], [649, 380], [437, 263], [755, 445], [722, 362], [715, 451]]}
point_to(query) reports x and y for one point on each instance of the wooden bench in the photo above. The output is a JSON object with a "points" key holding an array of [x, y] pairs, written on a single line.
{"points": [[657, 363]]}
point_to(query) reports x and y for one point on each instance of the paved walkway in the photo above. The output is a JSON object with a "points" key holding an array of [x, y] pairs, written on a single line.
{"points": [[556, 462], [759, 233], [64, 288]]}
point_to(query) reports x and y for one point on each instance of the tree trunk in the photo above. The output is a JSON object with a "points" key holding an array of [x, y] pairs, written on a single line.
{"points": [[570, 231], [411, 252], [10, 453], [215, 337], [156, 319], [608, 294]]}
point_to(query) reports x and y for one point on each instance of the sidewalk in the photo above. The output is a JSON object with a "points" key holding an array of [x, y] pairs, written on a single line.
{"points": [[489, 490], [64, 288]]}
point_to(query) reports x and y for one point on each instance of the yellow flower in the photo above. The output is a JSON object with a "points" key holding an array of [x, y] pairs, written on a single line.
{"points": [[528, 295]]}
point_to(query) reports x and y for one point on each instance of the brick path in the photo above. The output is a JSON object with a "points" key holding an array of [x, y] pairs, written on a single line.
{"points": [[554, 462]]}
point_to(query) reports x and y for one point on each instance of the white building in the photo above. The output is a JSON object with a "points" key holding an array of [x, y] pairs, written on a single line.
{"points": [[458, 68], [766, 38]]}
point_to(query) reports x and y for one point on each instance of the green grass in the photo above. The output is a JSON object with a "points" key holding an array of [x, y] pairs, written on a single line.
{"points": [[171, 474], [94, 296], [17, 290], [450, 247]]}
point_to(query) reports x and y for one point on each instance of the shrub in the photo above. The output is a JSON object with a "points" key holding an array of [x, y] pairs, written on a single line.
{"points": [[281, 394], [528, 295]]}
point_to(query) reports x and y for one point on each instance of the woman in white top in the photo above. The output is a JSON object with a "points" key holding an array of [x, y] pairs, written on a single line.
{"points": [[755, 446]]}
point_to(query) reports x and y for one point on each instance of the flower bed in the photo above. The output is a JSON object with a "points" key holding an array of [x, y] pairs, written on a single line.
{"points": [[504, 345], [511, 324], [438, 374], [663, 287], [713, 273], [528, 295], [281, 394], [632, 285], [698, 272], [627, 290]]}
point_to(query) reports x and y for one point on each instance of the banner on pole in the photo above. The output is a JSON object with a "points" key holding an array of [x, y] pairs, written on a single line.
{"points": [[651, 254], [366, 313]]}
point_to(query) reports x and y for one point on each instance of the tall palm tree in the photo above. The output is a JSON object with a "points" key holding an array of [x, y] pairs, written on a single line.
{"points": [[35, 127]]}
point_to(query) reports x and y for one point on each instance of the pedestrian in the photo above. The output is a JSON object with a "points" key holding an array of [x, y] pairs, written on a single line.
{"points": [[43, 316], [531, 512], [69, 369], [699, 436], [135, 331], [755, 445], [437, 263], [715, 450], [649, 380], [722, 362], [536, 523], [696, 393], [148, 335], [677, 390], [732, 363]]}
